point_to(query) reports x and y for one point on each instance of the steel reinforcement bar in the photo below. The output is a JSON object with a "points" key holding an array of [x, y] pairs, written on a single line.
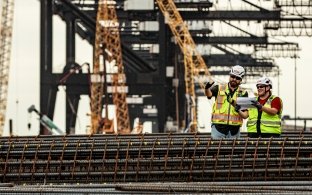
{"points": [[272, 188], [150, 158], [146, 136]]}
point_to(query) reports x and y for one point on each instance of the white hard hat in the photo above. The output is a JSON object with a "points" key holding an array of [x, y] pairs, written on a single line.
{"points": [[264, 81], [238, 71]]}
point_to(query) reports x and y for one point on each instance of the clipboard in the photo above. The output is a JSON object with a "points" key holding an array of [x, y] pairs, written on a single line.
{"points": [[245, 102]]}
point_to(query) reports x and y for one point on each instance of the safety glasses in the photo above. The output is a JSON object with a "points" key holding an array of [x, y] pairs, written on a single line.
{"points": [[235, 77], [260, 86]]}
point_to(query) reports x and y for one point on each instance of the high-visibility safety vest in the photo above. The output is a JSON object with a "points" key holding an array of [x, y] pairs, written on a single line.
{"points": [[223, 112], [268, 123]]}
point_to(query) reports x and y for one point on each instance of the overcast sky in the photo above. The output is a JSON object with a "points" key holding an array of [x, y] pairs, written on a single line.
{"points": [[24, 74]]}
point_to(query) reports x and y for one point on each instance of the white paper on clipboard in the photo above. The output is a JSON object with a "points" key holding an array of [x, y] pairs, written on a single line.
{"points": [[245, 102]]}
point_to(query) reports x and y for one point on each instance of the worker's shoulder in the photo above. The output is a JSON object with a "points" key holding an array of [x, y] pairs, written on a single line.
{"points": [[221, 86], [276, 98]]}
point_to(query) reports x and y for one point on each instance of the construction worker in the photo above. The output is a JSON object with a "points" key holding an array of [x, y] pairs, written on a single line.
{"points": [[265, 119], [227, 118]]}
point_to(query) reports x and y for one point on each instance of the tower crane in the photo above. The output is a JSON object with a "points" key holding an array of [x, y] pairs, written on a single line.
{"points": [[194, 64], [5, 53], [107, 51]]}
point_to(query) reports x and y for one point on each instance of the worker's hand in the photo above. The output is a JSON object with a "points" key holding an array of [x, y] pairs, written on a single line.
{"points": [[237, 107], [229, 98], [256, 104], [208, 84]]}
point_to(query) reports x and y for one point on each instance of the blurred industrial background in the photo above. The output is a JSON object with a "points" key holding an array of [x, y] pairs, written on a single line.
{"points": [[254, 34], [139, 66]]}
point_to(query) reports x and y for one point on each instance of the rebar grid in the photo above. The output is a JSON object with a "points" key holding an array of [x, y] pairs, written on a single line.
{"points": [[153, 158]]}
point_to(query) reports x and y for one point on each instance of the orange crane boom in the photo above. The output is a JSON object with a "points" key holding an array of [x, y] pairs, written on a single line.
{"points": [[195, 65], [5, 54], [107, 52]]}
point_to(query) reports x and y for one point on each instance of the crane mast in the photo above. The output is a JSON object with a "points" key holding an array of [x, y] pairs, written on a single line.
{"points": [[5, 54], [108, 52], [194, 64]]}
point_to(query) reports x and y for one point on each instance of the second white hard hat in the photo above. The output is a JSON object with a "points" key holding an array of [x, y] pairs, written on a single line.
{"points": [[265, 81]]}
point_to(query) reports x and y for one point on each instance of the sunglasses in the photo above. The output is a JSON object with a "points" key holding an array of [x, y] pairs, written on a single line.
{"points": [[235, 77], [260, 86]]}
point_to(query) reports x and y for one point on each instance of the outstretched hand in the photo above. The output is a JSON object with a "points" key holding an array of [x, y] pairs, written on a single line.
{"points": [[208, 85], [256, 104]]}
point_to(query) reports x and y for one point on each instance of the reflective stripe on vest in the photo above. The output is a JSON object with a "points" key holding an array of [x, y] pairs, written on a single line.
{"points": [[220, 99], [265, 122], [225, 117]]}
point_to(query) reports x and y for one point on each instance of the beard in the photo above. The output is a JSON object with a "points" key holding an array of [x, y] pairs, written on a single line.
{"points": [[233, 84]]}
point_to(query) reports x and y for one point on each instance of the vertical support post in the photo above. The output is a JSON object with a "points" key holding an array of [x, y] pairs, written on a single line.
{"points": [[48, 87], [295, 109], [72, 100]]}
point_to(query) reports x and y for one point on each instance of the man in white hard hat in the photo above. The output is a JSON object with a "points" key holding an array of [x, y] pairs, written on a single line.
{"points": [[227, 118], [265, 119]]}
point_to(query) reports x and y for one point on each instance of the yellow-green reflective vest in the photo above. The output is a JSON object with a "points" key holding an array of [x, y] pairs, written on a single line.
{"points": [[223, 112], [268, 123]]}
